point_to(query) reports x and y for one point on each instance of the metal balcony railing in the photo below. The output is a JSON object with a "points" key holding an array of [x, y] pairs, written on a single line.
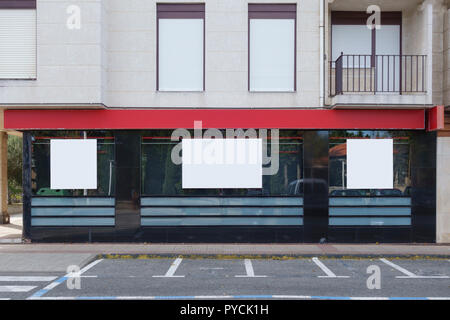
{"points": [[356, 73]]}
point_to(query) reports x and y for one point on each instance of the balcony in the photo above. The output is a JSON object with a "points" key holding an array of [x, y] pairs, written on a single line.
{"points": [[386, 61], [378, 74]]}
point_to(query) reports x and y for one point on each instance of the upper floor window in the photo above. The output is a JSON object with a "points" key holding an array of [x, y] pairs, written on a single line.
{"points": [[371, 57], [181, 47], [272, 47], [352, 36], [17, 39]]}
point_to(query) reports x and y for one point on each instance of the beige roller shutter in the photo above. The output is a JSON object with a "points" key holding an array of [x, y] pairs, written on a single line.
{"points": [[17, 44]]}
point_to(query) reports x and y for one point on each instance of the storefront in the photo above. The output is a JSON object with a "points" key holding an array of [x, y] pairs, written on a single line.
{"points": [[140, 195]]}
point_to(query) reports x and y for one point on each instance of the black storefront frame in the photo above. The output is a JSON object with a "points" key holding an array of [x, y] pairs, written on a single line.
{"points": [[315, 207]]}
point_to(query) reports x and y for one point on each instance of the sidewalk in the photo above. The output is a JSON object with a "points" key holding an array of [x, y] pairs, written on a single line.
{"points": [[357, 250], [57, 257], [16, 256], [12, 232]]}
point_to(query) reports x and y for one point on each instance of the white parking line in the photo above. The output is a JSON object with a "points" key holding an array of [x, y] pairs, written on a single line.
{"points": [[249, 270], [16, 288], [408, 274], [171, 272], [38, 294], [402, 270], [328, 272], [25, 278]]}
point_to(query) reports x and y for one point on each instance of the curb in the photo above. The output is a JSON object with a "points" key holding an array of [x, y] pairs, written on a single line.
{"points": [[272, 256]]}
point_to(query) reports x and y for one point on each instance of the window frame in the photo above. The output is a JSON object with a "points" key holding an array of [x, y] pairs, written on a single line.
{"points": [[14, 4], [23, 5], [272, 11], [179, 11], [393, 18]]}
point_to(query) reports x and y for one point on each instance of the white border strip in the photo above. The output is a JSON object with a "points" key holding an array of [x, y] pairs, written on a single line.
{"points": [[300, 297]]}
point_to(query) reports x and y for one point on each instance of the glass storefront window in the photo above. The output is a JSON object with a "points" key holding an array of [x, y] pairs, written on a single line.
{"points": [[40, 174], [338, 163], [161, 177]]}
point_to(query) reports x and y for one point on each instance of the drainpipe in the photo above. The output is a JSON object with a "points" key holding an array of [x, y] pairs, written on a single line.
{"points": [[427, 8], [429, 19], [322, 53]]}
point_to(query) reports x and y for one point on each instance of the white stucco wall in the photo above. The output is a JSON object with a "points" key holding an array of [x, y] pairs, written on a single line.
{"points": [[112, 59], [132, 60], [68, 61], [443, 190], [446, 58]]}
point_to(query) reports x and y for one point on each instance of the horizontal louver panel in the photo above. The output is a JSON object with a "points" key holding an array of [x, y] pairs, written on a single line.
{"points": [[221, 211], [17, 44], [232, 221], [72, 211]]}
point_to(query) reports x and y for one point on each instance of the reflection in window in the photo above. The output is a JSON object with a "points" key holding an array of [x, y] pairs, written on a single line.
{"points": [[40, 171], [338, 163], [160, 176]]}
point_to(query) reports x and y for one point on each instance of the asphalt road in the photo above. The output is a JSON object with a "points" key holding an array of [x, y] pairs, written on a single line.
{"points": [[302, 278]]}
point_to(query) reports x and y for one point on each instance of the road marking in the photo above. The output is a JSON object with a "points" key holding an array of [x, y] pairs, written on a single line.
{"points": [[249, 270], [16, 288], [422, 277], [369, 298], [25, 278], [281, 296], [402, 270], [211, 268], [239, 297], [328, 272], [57, 282], [408, 274], [171, 272]]}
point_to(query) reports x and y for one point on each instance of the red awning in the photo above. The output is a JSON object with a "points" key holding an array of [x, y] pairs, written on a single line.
{"points": [[372, 119]]}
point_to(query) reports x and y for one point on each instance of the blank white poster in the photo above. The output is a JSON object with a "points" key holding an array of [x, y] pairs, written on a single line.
{"points": [[272, 54], [370, 163], [221, 163], [73, 164], [180, 54]]}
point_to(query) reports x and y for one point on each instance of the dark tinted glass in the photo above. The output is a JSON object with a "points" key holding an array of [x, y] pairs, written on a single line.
{"points": [[41, 163], [160, 176], [338, 163]]}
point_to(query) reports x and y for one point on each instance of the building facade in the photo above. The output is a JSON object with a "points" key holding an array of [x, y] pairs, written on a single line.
{"points": [[347, 99]]}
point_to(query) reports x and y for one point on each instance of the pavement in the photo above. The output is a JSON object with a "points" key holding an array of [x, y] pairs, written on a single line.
{"points": [[225, 279], [15, 255], [56, 257], [211, 271], [45, 262], [241, 249], [12, 232]]}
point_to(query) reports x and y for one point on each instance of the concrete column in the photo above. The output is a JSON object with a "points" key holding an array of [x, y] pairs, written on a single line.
{"points": [[4, 216], [442, 190]]}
